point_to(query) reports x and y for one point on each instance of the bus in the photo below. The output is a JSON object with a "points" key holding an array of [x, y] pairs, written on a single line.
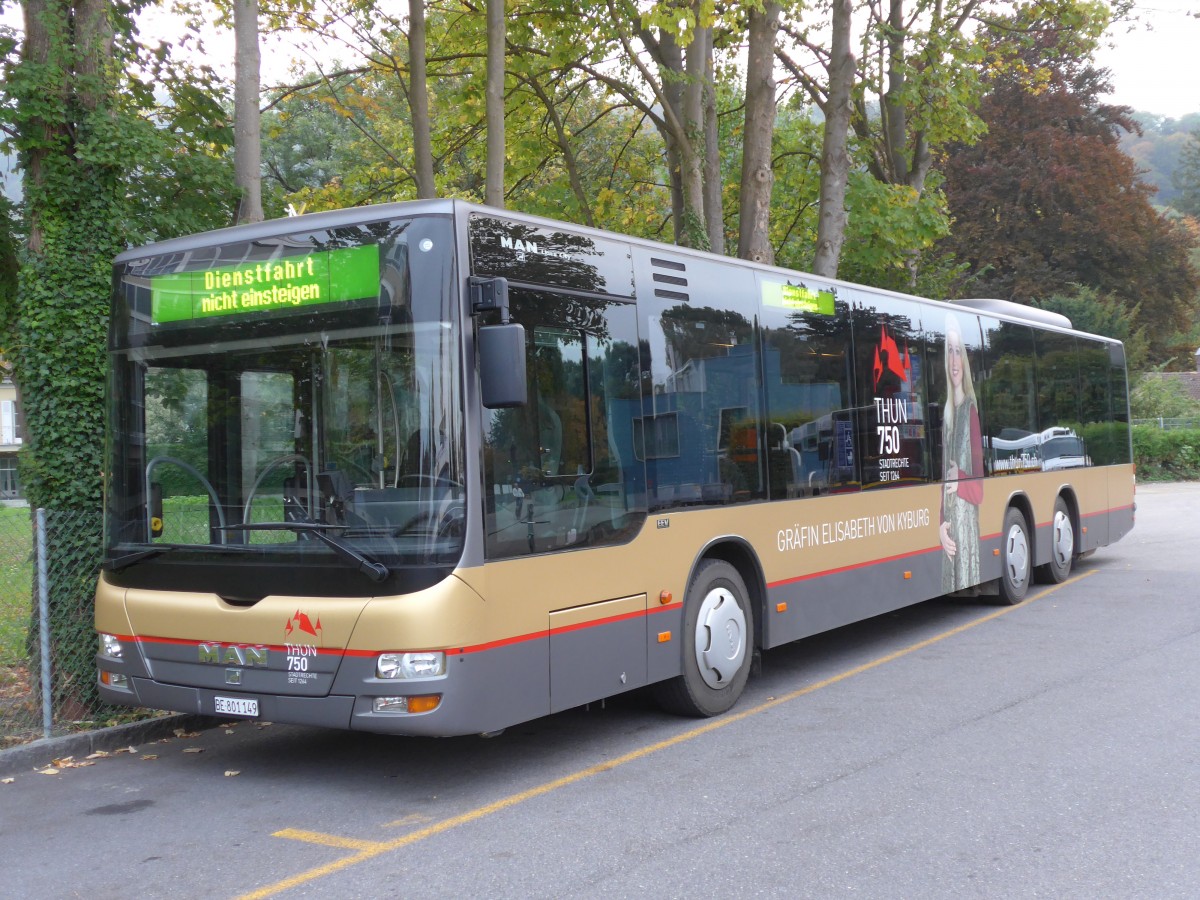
{"points": [[433, 468]]}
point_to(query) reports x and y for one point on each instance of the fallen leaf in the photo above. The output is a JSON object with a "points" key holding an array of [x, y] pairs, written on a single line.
{"points": [[7, 780], [47, 771], [64, 763], [180, 733], [193, 750], [229, 731], [100, 754], [230, 773], [150, 756]]}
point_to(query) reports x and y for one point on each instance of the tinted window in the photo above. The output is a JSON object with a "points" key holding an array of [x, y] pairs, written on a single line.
{"points": [[561, 470], [699, 420], [809, 388], [1009, 391]]}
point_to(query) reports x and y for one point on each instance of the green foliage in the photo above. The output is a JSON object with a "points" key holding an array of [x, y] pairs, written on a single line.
{"points": [[1166, 455], [106, 165], [1157, 395], [890, 226], [1046, 203], [1186, 177], [8, 274]]}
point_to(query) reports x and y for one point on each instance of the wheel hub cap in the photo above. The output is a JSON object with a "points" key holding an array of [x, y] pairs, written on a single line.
{"points": [[1064, 538], [1017, 558], [720, 638]]}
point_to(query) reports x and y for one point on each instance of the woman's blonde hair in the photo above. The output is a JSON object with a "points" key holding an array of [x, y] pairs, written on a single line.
{"points": [[954, 328]]}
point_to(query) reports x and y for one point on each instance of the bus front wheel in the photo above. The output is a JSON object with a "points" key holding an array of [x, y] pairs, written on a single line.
{"points": [[718, 639], [1015, 556]]}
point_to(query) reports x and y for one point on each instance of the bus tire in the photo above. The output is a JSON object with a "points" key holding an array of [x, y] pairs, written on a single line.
{"points": [[718, 638], [1015, 558], [1062, 546]]}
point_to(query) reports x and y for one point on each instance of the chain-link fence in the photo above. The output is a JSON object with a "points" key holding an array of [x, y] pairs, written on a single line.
{"points": [[1171, 424], [49, 562]]}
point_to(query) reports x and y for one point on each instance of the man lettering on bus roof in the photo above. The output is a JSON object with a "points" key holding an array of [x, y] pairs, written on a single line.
{"points": [[962, 467]]}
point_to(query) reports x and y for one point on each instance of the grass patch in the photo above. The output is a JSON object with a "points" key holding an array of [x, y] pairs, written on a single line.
{"points": [[16, 584]]}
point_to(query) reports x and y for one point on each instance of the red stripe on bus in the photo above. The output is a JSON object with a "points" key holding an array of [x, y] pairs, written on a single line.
{"points": [[506, 642], [454, 651]]}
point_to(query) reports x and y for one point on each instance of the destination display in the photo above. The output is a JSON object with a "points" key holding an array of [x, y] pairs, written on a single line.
{"points": [[276, 285], [798, 296]]}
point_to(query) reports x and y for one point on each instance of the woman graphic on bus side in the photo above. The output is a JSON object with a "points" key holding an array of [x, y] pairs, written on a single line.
{"points": [[962, 468]]}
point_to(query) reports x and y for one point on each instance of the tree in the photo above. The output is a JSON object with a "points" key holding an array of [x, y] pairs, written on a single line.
{"points": [[247, 129], [104, 166], [494, 192], [758, 176], [418, 99], [835, 155], [1187, 177], [1047, 201]]}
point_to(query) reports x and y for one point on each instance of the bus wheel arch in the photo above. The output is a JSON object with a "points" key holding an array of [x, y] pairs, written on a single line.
{"points": [[720, 623]]}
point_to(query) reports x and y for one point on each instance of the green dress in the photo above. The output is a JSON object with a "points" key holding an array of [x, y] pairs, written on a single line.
{"points": [[962, 569]]}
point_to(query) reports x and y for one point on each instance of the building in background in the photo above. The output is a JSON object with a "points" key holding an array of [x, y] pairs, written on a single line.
{"points": [[10, 438]]}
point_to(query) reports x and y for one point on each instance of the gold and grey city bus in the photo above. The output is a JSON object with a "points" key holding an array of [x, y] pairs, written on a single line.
{"points": [[434, 468]]}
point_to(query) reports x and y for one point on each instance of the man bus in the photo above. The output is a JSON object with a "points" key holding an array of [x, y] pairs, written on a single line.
{"points": [[433, 468]]}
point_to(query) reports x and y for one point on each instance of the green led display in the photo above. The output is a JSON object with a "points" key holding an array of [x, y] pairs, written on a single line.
{"points": [[797, 296], [320, 277]]}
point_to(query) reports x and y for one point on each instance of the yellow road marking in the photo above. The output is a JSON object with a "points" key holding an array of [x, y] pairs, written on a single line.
{"points": [[371, 849], [327, 840], [411, 819]]}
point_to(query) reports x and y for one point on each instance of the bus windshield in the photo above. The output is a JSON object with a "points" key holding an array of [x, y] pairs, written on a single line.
{"points": [[328, 432]]}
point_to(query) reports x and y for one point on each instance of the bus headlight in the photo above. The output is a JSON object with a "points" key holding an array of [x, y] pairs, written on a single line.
{"points": [[110, 646], [393, 666]]}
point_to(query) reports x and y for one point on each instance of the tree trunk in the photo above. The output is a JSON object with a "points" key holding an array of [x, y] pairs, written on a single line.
{"points": [[418, 100], [714, 202], [496, 35], [247, 128], [758, 177], [835, 158], [895, 118], [695, 223], [669, 56]]}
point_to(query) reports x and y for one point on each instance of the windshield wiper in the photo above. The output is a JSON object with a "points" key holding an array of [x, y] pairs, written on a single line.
{"points": [[117, 563], [376, 571]]}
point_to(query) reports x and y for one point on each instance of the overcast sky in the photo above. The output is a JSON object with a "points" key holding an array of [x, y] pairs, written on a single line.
{"points": [[1156, 67]]}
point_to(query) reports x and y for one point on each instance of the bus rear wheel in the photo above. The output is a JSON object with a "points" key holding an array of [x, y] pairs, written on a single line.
{"points": [[718, 637], [1062, 546], [1015, 558]]}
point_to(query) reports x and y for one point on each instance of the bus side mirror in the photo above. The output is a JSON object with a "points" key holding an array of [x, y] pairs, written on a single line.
{"points": [[502, 366]]}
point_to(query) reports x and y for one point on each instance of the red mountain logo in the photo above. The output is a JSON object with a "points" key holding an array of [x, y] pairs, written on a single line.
{"points": [[888, 358], [301, 621]]}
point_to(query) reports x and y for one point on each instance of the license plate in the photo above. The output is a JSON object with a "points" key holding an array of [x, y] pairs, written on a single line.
{"points": [[236, 706]]}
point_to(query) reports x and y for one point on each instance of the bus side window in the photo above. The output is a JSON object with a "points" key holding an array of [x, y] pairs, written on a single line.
{"points": [[552, 477]]}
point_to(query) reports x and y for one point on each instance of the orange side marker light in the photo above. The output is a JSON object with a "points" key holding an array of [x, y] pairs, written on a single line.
{"points": [[664, 637], [424, 703], [780, 607], [665, 597]]}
